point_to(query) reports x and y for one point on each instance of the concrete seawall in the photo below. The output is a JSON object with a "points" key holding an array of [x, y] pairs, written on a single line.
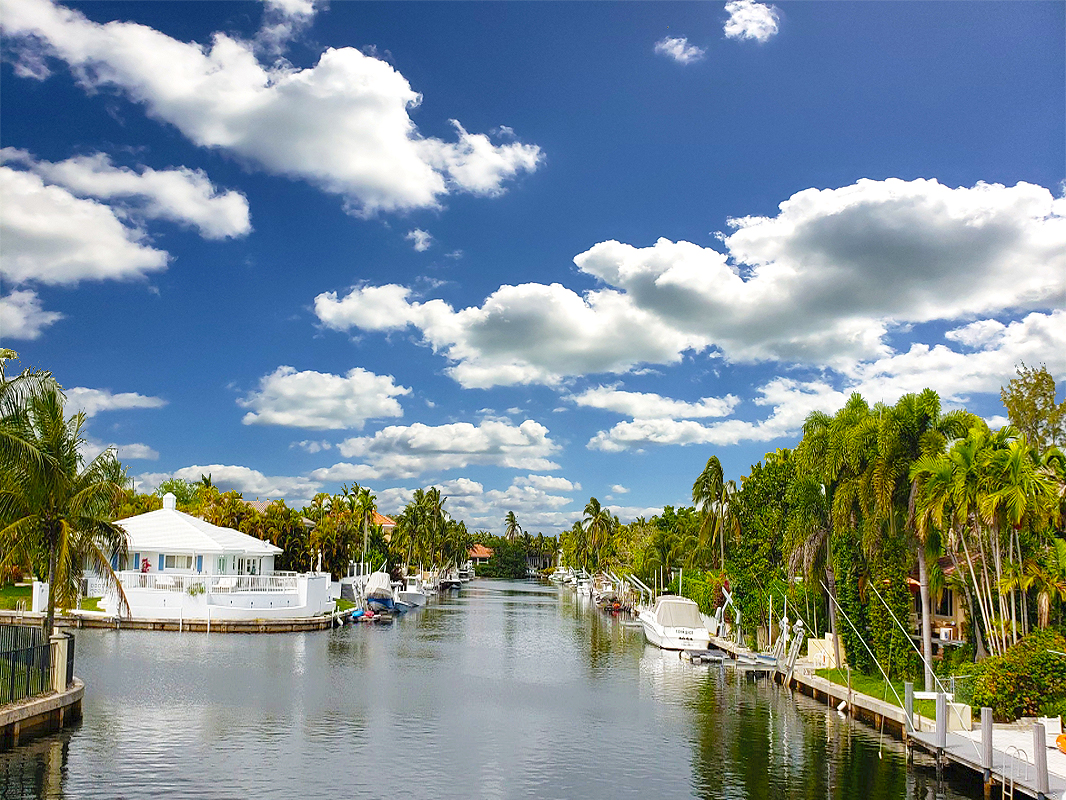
{"points": [[40, 715], [177, 625]]}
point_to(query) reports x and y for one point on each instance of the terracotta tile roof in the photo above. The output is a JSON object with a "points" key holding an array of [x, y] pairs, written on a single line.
{"points": [[480, 551], [383, 521]]}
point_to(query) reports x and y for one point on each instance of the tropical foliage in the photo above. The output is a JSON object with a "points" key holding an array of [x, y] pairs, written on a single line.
{"points": [[863, 526], [55, 506]]}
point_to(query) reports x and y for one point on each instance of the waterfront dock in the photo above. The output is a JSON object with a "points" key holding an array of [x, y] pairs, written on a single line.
{"points": [[1019, 760]]}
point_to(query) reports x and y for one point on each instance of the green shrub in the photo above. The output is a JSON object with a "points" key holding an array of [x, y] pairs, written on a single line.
{"points": [[1026, 681]]}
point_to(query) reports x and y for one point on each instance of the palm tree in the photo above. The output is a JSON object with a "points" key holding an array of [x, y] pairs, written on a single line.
{"points": [[511, 528], [52, 504], [706, 495], [913, 428], [598, 524], [832, 450], [363, 505]]}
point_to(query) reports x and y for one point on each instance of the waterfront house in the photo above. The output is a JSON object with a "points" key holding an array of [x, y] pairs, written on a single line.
{"points": [[181, 567], [479, 554]]}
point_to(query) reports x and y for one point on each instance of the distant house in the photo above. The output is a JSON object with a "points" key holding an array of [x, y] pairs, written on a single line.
{"points": [[181, 567], [479, 554], [949, 608], [388, 524]]}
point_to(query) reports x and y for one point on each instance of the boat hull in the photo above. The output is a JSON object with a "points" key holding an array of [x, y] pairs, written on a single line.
{"points": [[674, 638], [411, 598]]}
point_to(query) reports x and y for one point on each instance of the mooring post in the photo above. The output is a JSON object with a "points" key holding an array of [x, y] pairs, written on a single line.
{"points": [[986, 749], [941, 731], [908, 706], [1040, 753]]}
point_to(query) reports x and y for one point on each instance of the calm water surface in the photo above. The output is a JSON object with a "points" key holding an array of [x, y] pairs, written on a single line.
{"points": [[508, 690]]}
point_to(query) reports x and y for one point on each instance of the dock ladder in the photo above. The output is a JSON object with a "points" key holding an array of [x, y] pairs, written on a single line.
{"points": [[1018, 759]]}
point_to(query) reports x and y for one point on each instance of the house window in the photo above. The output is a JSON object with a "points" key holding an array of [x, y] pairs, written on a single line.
{"points": [[179, 562], [944, 607]]}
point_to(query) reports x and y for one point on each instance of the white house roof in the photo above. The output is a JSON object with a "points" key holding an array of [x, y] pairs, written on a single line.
{"points": [[171, 531]]}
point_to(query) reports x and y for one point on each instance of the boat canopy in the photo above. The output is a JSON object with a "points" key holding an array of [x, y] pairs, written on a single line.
{"points": [[379, 585], [678, 612]]}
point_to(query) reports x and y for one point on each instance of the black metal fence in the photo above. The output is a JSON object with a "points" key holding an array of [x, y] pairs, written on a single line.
{"points": [[25, 663]]}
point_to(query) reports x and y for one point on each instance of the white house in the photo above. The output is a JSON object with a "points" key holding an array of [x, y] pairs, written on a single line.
{"points": [[182, 567]]}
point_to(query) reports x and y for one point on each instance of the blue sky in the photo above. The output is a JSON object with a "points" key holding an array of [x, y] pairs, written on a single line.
{"points": [[526, 252]]}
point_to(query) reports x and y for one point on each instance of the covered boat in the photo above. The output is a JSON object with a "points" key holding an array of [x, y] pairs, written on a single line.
{"points": [[675, 624], [379, 591]]}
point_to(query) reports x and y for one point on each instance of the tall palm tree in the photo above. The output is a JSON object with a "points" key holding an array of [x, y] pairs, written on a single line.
{"points": [[831, 451], [363, 505], [914, 427], [511, 528], [706, 495], [52, 504], [599, 524]]}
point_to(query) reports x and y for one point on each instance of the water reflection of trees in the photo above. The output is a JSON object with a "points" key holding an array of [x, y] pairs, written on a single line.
{"points": [[36, 769], [757, 741]]}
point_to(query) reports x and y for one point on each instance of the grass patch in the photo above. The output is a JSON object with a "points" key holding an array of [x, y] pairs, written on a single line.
{"points": [[90, 604], [11, 594], [344, 605], [874, 686]]}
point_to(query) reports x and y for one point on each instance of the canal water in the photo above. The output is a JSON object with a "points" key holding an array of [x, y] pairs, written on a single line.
{"points": [[506, 690]]}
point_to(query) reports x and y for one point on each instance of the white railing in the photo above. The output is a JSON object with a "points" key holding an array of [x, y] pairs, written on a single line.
{"points": [[207, 584]]}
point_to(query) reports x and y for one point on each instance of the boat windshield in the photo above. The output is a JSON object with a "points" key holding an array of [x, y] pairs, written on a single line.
{"points": [[671, 612]]}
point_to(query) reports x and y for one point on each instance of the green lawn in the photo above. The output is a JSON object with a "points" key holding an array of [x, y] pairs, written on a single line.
{"points": [[344, 605], [11, 594], [90, 604], [875, 687]]}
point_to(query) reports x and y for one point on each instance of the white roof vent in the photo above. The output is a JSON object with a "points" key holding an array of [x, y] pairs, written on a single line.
{"points": [[170, 501]]}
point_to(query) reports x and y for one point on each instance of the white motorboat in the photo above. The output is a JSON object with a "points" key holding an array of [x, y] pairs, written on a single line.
{"points": [[412, 592], [674, 623]]}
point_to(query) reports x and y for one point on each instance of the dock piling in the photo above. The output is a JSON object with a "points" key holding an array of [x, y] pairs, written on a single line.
{"points": [[908, 705], [986, 749], [941, 732], [1040, 759]]}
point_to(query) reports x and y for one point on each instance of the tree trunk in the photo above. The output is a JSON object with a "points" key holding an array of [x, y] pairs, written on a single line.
{"points": [[927, 618], [832, 581], [984, 622], [50, 617]]}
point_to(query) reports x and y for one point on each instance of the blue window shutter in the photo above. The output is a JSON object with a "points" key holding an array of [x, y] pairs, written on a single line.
{"points": [[160, 562], [137, 561], [114, 561], [199, 563]]}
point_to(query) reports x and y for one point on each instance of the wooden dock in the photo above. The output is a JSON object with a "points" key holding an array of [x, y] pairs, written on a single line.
{"points": [[1016, 770]]}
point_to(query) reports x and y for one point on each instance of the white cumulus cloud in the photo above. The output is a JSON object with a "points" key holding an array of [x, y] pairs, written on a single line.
{"points": [[181, 195], [343, 124], [955, 375], [822, 283], [251, 483], [23, 317], [399, 451], [648, 405], [421, 240], [321, 400], [679, 50], [751, 20], [92, 401], [51, 236]]}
